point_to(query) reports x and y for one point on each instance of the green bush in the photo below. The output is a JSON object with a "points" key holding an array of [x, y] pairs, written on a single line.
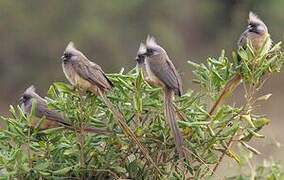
{"points": [[31, 153]]}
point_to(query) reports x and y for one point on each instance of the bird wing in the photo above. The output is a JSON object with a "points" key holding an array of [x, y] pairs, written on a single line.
{"points": [[177, 76], [243, 39], [167, 73], [92, 73], [52, 115]]}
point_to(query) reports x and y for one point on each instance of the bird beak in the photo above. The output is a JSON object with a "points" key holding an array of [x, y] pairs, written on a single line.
{"points": [[63, 58], [139, 60], [249, 27], [21, 100]]}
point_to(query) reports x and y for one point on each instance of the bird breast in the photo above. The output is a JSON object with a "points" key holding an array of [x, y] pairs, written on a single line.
{"points": [[26, 107], [151, 76], [73, 77], [258, 40]]}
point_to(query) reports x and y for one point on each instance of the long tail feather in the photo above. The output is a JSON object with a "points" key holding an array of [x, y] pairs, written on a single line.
{"points": [[86, 129], [171, 118], [96, 130]]}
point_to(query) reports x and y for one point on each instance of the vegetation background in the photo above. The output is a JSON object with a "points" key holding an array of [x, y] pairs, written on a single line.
{"points": [[33, 35]]}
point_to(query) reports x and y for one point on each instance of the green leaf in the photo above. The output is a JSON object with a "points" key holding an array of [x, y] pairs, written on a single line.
{"points": [[62, 87], [233, 155], [248, 147], [230, 131], [52, 92], [192, 124], [255, 134], [261, 122], [242, 53], [62, 171], [52, 130], [193, 64], [264, 97], [247, 118]]}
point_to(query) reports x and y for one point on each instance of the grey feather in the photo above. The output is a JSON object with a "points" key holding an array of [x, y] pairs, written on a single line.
{"points": [[42, 110], [85, 68], [162, 67], [92, 73], [167, 74]]}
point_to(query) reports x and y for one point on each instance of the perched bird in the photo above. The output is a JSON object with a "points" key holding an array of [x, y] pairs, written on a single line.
{"points": [[52, 118], [256, 33], [161, 71], [82, 73]]}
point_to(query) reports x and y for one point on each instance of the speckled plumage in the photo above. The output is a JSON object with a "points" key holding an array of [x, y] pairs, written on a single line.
{"points": [[83, 73]]}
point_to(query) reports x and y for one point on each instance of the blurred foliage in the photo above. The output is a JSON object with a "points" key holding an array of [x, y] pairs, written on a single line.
{"points": [[31, 153], [34, 34], [268, 170], [215, 75]]}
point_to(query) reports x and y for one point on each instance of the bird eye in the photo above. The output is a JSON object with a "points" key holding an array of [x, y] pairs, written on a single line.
{"points": [[252, 25], [67, 55], [26, 97], [150, 52]]}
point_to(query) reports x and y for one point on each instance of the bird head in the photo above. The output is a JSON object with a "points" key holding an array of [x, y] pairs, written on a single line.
{"points": [[256, 25], [140, 58], [28, 94], [71, 53], [152, 48]]}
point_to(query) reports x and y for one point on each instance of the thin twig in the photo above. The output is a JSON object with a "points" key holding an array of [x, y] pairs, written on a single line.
{"points": [[81, 141], [81, 145], [108, 171], [223, 155], [203, 162], [266, 77], [230, 86]]}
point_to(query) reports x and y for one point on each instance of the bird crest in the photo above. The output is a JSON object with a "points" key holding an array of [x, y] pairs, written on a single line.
{"points": [[70, 46], [151, 42], [73, 50], [30, 90], [142, 49], [253, 18]]}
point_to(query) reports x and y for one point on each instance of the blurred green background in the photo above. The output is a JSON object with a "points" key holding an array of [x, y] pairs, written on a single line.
{"points": [[33, 36]]}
